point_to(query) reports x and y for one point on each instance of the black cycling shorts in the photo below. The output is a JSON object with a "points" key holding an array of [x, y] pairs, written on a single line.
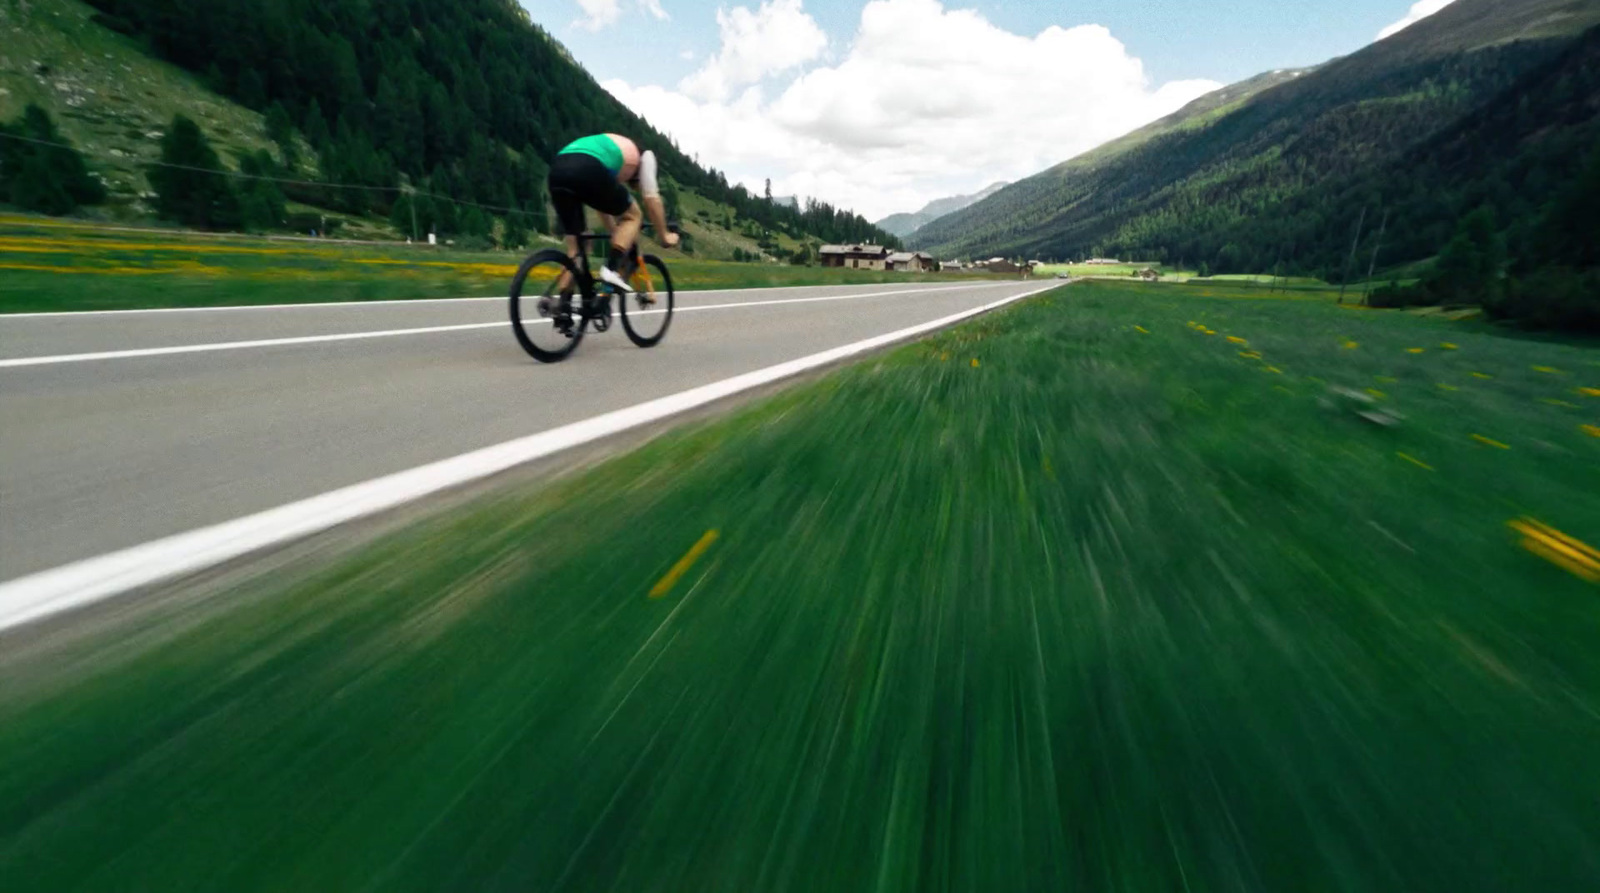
{"points": [[577, 180]]}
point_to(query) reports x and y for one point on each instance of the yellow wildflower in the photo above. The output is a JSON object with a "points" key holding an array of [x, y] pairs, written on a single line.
{"points": [[1489, 442], [1416, 350], [1350, 345], [974, 362], [1415, 461], [1482, 375], [1589, 392], [1448, 387], [1142, 329], [1237, 340], [1547, 370], [1591, 430], [1376, 393], [1568, 553], [1274, 370], [1448, 346], [1250, 354]]}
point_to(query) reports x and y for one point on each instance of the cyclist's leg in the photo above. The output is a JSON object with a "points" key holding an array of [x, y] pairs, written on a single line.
{"points": [[623, 218], [626, 231], [567, 183]]}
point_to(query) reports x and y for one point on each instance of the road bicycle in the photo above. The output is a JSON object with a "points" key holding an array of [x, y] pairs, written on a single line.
{"points": [[555, 299]]}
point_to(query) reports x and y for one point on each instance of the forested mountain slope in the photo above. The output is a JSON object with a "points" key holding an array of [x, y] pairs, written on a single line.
{"points": [[465, 99], [1283, 176]]}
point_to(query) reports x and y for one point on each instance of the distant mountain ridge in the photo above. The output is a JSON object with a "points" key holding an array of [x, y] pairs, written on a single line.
{"points": [[1279, 169], [904, 225]]}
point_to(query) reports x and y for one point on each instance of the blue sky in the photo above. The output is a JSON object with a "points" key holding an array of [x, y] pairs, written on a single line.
{"points": [[885, 105]]}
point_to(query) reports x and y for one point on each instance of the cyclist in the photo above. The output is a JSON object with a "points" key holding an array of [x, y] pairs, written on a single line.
{"points": [[597, 171]]}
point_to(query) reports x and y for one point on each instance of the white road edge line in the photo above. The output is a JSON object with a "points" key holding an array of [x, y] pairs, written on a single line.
{"points": [[91, 580], [410, 301], [57, 359]]}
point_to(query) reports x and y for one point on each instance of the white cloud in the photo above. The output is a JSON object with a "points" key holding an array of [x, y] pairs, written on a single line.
{"points": [[776, 37], [926, 102], [599, 14], [686, 55], [1419, 11]]}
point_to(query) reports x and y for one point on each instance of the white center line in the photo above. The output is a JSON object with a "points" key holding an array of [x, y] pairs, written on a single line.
{"points": [[92, 580], [18, 362]]}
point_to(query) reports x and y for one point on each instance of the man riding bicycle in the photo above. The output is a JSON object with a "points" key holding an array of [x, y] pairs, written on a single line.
{"points": [[597, 171]]}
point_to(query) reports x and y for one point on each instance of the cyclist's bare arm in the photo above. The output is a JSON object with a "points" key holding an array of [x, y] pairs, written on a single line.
{"points": [[651, 190]]}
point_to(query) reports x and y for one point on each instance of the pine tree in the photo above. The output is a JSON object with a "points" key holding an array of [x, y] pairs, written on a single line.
{"points": [[280, 129], [189, 183], [316, 127], [261, 202], [41, 171], [516, 231], [1469, 268]]}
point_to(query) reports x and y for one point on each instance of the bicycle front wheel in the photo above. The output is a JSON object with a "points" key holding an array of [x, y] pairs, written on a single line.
{"points": [[647, 311], [545, 305]]}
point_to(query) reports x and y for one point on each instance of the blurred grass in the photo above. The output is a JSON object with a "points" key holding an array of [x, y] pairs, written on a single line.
{"points": [[54, 266], [1043, 602]]}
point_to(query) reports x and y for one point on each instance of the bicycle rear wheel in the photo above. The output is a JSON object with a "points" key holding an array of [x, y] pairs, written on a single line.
{"points": [[547, 322], [647, 312]]}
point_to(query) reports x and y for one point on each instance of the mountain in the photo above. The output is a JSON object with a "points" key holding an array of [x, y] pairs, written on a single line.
{"points": [[1279, 169], [904, 225], [465, 100]]}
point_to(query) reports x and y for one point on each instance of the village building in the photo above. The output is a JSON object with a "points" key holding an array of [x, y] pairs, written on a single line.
{"points": [[855, 257], [912, 262]]}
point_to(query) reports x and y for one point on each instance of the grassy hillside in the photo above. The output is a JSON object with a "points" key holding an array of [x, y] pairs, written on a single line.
{"points": [[108, 95], [113, 99], [467, 99], [1216, 187]]}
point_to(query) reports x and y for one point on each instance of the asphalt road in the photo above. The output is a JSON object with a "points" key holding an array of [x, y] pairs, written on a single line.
{"points": [[109, 452]]}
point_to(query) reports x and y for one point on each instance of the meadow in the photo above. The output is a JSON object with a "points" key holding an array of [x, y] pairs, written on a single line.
{"points": [[1128, 587], [49, 265]]}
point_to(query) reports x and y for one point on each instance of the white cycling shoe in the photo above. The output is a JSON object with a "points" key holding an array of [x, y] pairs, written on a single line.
{"points": [[614, 279]]}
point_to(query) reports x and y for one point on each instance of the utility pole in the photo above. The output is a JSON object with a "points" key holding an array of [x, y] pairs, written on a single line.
{"points": [[1354, 244], [1373, 266], [411, 199]]}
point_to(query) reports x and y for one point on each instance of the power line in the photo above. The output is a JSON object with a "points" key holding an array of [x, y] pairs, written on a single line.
{"points": [[287, 180]]}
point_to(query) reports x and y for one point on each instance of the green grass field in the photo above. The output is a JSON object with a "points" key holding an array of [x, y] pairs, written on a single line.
{"points": [[1081, 270], [51, 265], [1094, 593]]}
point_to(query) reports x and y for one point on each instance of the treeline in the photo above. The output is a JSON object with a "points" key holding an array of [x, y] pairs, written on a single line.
{"points": [[39, 170], [1551, 280], [466, 99]]}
